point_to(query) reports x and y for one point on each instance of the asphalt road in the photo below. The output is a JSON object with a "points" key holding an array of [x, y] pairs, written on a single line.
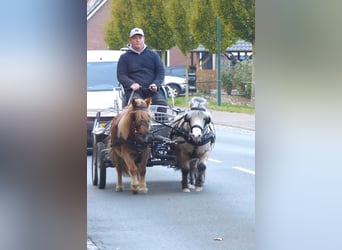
{"points": [[220, 217]]}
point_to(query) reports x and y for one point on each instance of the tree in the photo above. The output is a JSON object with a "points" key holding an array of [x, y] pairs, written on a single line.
{"points": [[180, 12], [228, 35], [203, 24], [151, 16], [242, 17], [179, 16], [118, 27]]}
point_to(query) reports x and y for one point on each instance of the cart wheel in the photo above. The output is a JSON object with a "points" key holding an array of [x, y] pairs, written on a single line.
{"points": [[94, 166], [101, 168]]}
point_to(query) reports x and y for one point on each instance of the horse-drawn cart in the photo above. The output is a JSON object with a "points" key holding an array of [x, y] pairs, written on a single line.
{"points": [[167, 129]]}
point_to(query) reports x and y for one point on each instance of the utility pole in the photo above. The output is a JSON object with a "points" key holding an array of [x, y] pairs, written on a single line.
{"points": [[218, 24]]}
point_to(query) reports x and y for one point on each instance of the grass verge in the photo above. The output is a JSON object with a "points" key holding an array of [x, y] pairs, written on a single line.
{"points": [[212, 104]]}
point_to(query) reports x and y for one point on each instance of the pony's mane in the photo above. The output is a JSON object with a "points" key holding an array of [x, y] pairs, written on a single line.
{"points": [[197, 112], [142, 115], [140, 109], [198, 103]]}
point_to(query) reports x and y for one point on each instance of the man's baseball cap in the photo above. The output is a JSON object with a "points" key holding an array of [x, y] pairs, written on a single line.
{"points": [[136, 31]]}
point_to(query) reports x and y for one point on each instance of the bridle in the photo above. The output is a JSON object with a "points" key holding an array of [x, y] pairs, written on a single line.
{"points": [[207, 134], [136, 126], [187, 120], [132, 141]]}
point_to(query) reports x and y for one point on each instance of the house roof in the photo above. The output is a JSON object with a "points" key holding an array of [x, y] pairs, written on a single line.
{"points": [[200, 48], [93, 6], [239, 46]]}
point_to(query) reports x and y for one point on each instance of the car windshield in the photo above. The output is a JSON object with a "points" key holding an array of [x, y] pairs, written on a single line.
{"points": [[101, 76], [176, 71]]}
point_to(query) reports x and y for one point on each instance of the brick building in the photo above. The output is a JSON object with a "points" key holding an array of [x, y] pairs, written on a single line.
{"points": [[98, 14]]}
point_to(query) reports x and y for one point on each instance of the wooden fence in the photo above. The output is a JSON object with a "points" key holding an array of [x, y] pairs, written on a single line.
{"points": [[206, 80]]}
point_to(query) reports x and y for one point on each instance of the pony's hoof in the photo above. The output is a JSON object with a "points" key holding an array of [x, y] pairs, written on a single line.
{"points": [[186, 190], [198, 189], [143, 190], [119, 189], [191, 186], [135, 192]]}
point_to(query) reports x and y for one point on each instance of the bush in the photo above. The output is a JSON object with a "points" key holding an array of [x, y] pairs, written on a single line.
{"points": [[227, 81], [239, 77]]}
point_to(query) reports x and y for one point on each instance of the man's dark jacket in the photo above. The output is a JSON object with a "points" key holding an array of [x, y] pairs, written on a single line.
{"points": [[144, 68]]}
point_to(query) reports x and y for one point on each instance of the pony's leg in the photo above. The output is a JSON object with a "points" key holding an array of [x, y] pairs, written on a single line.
{"points": [[132, 168], [192, 173], [117, 163], [142, 173], [185, 179], [200, 176], [119, 186], [142, 182], [183, 164]]}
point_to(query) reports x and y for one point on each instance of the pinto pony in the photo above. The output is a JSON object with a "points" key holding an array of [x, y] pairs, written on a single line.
{"points": [[194, 134], [130, 139]]}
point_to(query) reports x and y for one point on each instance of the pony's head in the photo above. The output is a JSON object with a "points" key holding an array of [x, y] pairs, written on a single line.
{"points": [[197, 122], [197, 118], [141, 118]]}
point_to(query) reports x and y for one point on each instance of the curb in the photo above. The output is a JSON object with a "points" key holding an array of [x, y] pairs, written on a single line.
{"points": [[91, 245], [235, 120], [234, 126]]}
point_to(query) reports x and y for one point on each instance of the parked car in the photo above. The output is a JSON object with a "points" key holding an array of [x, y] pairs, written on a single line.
{"points": [[179, 71], [103, 91], [174, 85]]}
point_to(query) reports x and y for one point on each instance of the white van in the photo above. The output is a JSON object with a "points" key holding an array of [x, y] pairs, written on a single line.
{"points": [[103, 91]]}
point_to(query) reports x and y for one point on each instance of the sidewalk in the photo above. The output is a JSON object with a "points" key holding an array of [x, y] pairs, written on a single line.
{"points": [[238, 120], [91, 245]]}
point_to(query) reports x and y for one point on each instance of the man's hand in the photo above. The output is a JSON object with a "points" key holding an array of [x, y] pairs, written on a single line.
{"points": [[135, 86], [153, 87]]}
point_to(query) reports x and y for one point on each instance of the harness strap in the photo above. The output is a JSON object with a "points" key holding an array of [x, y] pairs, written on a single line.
{"points": [[140, 108], [131, 143], [206, 138], [200, 109], [196, 126]]}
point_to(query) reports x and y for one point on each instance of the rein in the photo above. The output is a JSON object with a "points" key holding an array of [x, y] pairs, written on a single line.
{"points": [[132, 143], [200, 109], [166, 125]]}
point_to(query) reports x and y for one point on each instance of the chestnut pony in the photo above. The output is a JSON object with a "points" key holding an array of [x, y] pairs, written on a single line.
{"points": [[130, 140]]}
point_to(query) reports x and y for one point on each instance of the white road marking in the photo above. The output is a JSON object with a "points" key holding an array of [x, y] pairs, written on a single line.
{"points": [[244, 170], [213, 160]]}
